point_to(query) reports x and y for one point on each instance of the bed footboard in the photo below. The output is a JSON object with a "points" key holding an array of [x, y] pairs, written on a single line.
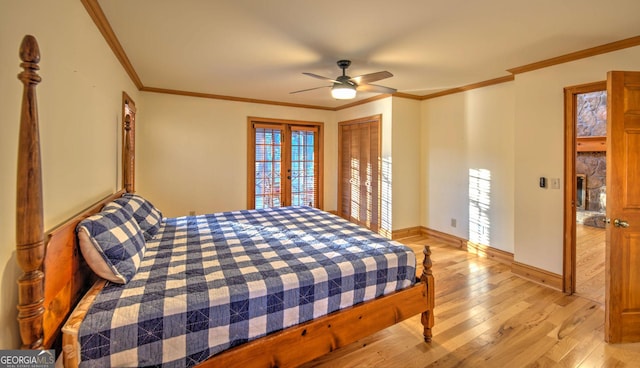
{"points": [[326, 334], [429, 285], [314, 338]]}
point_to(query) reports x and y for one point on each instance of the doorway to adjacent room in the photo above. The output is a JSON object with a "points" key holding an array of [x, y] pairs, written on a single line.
{"points": [[585, 165]]}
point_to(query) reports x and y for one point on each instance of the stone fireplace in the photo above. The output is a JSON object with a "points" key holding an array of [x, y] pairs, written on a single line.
{"points": [[592, 168], [591, 161]]}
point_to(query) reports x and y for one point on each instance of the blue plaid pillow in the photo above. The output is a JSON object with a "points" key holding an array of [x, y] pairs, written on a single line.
{"points": [[146, 214], [112, 243]]}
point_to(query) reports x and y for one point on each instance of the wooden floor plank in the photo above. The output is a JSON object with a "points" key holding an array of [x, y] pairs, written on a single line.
{"points": [[590, 262], [488, 317]]}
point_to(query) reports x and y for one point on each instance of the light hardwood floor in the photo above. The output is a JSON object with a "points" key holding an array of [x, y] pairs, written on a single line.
{"points": [[590, 262], [488, 317]]}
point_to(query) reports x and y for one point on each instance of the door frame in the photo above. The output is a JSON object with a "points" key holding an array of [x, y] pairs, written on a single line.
{"points": [[570, 151]]}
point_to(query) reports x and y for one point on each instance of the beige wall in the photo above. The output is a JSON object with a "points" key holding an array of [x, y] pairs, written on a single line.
{"points": [[443, 165], [192, 152], [79, 102], [406, 163], [462, 134]]}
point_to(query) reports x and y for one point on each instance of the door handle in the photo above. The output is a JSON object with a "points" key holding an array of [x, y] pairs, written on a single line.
{"points": [[620, 223]]}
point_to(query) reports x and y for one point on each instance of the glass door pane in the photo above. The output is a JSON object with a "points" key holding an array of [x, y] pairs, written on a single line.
{"points": [[303, 171], [268, 167]]}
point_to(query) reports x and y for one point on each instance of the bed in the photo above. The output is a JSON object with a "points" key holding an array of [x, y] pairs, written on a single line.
{"points": [[60, 291]]}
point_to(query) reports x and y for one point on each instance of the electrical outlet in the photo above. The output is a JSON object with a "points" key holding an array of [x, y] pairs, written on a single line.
{"points": [[454, 222], [555, 183]]}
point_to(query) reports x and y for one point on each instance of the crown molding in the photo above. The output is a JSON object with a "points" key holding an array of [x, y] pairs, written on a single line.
{"points": [[96, 13], [362, 102], [230, 98], [101, 22], [593, 51], [486, 83], [408, 95]]}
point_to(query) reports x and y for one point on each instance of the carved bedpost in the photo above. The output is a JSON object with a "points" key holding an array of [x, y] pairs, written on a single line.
{"points": [[30, 246], [127, 156], [128, 143], [429, 285]]}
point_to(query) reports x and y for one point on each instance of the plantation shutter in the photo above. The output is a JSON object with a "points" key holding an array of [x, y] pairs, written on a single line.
{"points": [[359, 173]]}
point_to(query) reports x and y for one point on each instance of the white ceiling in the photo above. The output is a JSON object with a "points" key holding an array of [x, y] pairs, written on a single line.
{"points": [[258, 49]]}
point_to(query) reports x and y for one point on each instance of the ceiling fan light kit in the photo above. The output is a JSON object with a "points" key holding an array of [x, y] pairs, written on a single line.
{"points": [[343, 91], [344, 87]]}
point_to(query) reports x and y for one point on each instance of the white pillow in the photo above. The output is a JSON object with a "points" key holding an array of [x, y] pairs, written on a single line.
{"points": [[112, 243]]}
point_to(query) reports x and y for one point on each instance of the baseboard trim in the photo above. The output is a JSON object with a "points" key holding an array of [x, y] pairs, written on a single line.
{"points": [[530, 273], [448, 239], [491, 253], [537, 275], [406, 233]]}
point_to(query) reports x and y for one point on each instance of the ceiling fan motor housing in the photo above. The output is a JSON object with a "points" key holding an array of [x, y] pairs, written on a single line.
{"points": [[345, 79], [344, 64]]}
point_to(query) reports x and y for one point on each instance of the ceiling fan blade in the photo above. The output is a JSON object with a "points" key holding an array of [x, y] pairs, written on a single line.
{"points": [[308, 89], [321, 77], [372, 77], [375, 88]]}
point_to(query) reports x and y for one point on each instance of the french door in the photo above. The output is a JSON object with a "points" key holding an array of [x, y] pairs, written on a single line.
{"points": [[284, 163]]}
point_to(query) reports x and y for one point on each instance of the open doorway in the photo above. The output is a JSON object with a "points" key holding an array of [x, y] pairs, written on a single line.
{"points": [[585, 201], [591, 168]]}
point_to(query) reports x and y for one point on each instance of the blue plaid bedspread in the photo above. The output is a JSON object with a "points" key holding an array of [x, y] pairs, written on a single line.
{"points": [[215, 281]]}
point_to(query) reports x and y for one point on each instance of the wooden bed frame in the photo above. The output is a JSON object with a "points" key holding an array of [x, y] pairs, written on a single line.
{"points": [[56, 277]]}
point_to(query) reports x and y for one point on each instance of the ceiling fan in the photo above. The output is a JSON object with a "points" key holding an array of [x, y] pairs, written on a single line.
{"points": [[344, 87]]}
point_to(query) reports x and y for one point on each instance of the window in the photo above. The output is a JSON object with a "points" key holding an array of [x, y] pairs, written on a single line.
{"points": [[285, 163]]}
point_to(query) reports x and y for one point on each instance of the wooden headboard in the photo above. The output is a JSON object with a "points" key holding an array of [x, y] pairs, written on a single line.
{"points": [[55, 275]]}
